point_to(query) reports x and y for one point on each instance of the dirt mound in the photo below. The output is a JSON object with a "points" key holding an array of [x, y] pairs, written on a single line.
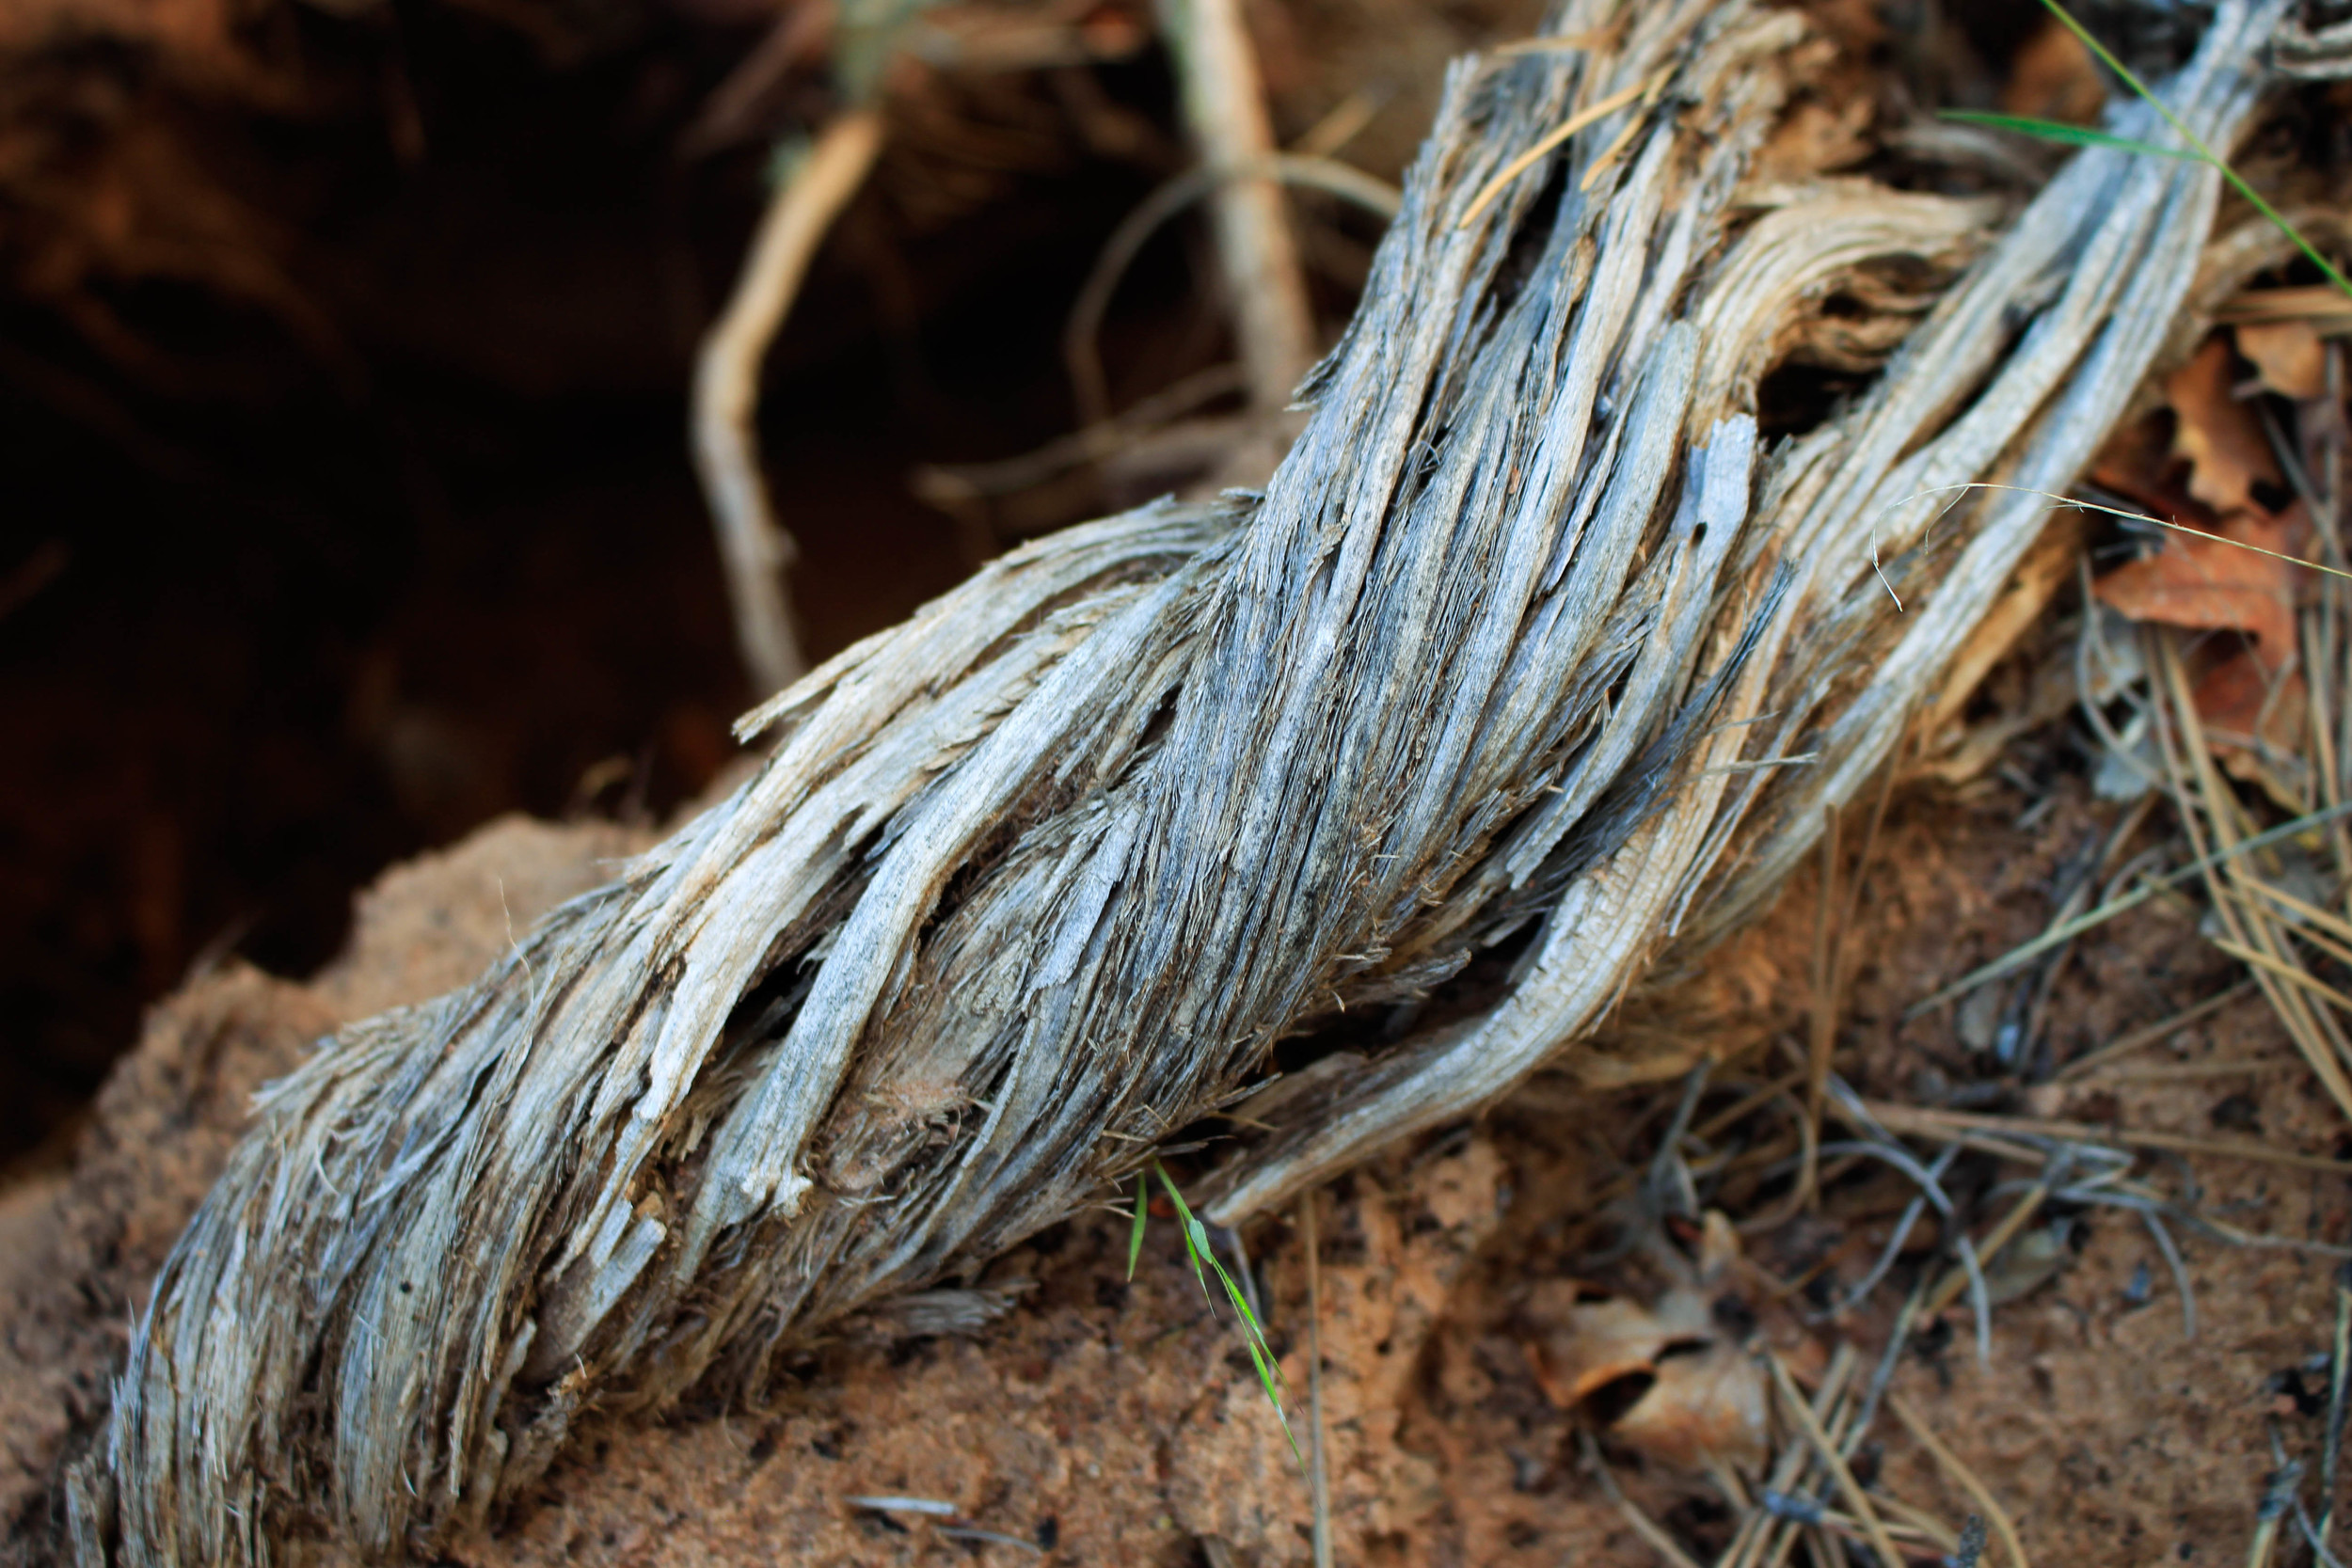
{"points": [[1106, 1423]]}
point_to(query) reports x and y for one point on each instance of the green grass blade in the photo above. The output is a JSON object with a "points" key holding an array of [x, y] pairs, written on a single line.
{"points": [[1253, 1332], [1253, 1338], [1241, 1302], [1134, 1232], [2072, 136], [1185, 1224], [1250, 1327], [2207, 153], [1266, 1381]]}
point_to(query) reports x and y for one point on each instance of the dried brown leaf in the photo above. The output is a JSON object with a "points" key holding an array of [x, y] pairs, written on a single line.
{"points": [[2209, 583], [2138, 464], [2241, 703], [2054, 77], [2218, 435], [2246, 689], [2289, 354], [1705, 1393]]}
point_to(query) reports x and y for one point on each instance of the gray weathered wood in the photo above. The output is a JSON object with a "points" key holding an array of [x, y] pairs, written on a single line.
{"points": [[1031, 881]]}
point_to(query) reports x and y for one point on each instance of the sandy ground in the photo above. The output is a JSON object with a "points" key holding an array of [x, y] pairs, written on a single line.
{"points": [[1113, 1424]]}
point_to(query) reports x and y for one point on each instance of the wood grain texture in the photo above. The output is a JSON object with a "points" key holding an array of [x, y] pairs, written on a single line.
{"points": [[1510, 643]]}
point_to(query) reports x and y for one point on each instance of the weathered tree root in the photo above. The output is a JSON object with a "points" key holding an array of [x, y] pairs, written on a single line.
{"points": [[1520, 633]]}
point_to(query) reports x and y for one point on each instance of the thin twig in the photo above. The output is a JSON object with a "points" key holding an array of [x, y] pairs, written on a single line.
{"points": [[1082, 360], [1225, 107], [1882, 1378], [1895, 1241], [2171, 1252], [752, 548]]}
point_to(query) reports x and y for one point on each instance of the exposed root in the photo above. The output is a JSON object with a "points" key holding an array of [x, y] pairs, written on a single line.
{"points": [[1520, 639], [753, 546]]}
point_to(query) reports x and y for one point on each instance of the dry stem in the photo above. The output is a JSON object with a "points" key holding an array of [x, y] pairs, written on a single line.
{"points": [[752, 547], [1225, 105]]}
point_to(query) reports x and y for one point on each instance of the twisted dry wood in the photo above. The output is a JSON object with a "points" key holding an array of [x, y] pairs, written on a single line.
{"points": [[1512, 642]]}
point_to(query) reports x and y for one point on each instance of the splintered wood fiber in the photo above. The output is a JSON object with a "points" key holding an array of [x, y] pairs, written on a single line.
{"points": [[1531, 633]]}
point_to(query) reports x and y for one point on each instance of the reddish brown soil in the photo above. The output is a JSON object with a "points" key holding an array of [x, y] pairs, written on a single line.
{"points": [[1117, 1423], [525, 465]]}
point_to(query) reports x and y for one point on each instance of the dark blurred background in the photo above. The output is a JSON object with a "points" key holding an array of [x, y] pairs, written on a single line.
{"points": [[342, 363], [345, 502]]}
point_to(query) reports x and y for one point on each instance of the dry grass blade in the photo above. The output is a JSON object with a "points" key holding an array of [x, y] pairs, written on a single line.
{"points": [[2093, 1062], [1652, 1534], [2201, 865], [2320, 566], [1967, 1480], [2292, 972], [2184, 1072], [1793, 1400], [1571, 43], [754, 549], [2315, 302], [1583, 119], [2254, 933], [2323, 920], [2004, 1231], [1318, 1477], [1609, 154], [1918, 1524], [1764, 1535], [1934, 1122]]}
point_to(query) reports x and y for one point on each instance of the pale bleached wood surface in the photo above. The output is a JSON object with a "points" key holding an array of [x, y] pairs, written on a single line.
{"points": [[1031, 882]]}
